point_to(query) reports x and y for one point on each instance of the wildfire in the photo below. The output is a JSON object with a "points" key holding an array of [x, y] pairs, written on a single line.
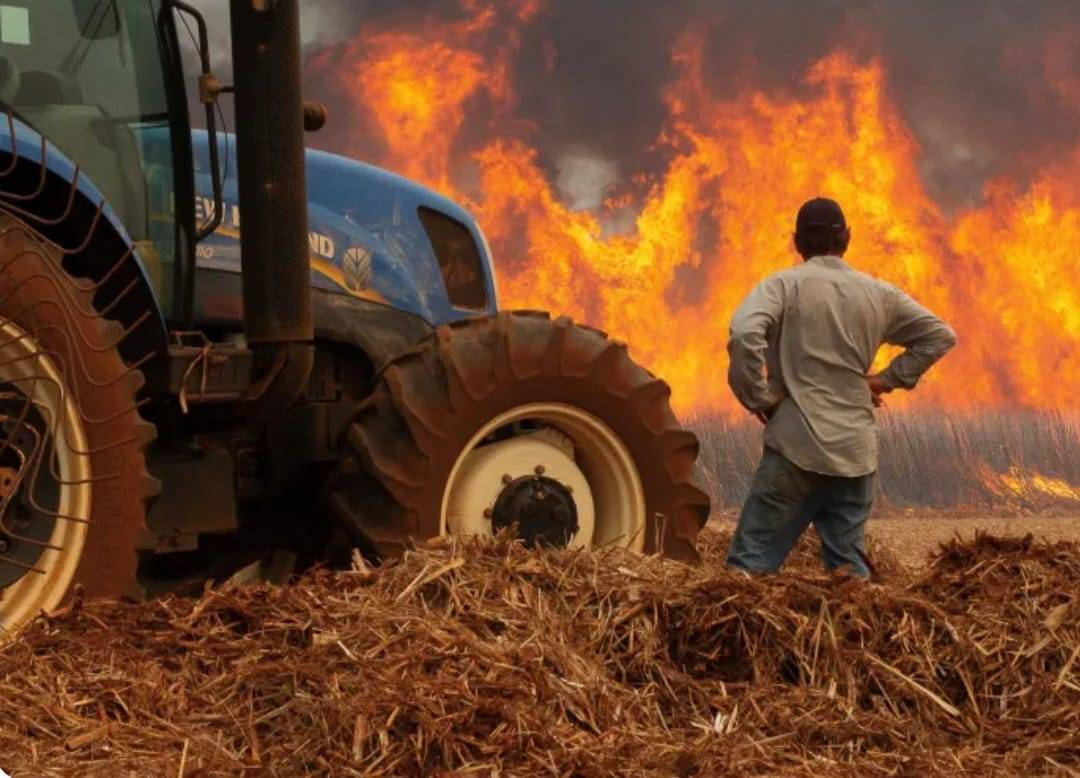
{"points": [[414, 85], [719, 219], [1020, 483]]}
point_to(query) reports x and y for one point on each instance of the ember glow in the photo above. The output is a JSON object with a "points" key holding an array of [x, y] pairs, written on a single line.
{"points": [[665, 259]]}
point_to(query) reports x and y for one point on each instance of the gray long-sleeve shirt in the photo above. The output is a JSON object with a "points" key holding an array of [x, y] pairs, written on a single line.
{"points": [[804, 340]]}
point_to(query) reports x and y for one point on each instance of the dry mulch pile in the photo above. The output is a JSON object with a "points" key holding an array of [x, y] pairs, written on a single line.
{"points": [[485, 659]]}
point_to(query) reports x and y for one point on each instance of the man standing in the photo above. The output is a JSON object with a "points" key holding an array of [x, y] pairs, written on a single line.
{"points": [[801, 348]]}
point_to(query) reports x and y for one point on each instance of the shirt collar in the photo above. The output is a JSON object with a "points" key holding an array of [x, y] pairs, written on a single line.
{"points": [[828, 260]]}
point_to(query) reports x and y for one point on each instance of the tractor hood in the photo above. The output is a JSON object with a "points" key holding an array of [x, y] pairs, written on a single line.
{"points": [[372, 235]]}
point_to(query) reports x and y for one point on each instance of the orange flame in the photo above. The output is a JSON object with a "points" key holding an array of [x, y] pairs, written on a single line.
{"points": [[413, 86], [1020, 483], [720, 217]]}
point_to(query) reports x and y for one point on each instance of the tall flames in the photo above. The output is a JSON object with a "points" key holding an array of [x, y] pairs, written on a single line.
{"points": [[664, 261]]}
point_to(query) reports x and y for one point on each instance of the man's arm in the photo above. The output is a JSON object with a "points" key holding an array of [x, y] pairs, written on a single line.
{"points": [[925, 339], [748, 342]]}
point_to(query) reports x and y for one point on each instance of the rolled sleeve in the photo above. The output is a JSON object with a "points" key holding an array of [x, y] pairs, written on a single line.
{"points": [[924, 336]]}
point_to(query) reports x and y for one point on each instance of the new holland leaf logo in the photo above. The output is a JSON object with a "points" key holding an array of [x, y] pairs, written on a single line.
{"points": [[356, 268]]}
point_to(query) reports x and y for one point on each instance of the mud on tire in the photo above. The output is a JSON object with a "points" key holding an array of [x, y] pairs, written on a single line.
{"points": [[431, 401], [56, 313]]}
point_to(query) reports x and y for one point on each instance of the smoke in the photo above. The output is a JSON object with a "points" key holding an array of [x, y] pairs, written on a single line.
{"points": [[987, 89], [584, 179], [321, 23]]}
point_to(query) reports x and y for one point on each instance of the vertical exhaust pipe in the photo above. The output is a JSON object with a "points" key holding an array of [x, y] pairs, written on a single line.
{"points": [[274, 256]]}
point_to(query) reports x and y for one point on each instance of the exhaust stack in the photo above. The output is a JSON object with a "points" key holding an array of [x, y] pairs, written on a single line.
{"points": [[272, 184], [274, 258]]}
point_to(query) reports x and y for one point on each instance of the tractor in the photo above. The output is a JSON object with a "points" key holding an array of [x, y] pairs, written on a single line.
{"points": [[216, 346]]}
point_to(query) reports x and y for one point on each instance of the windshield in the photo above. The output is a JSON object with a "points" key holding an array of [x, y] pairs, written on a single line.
{"points": [[87, 75]]}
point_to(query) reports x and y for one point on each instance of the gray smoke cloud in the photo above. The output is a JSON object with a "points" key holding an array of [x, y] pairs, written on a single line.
{"points": [[969, 79], [321, 23], [987, 88]]}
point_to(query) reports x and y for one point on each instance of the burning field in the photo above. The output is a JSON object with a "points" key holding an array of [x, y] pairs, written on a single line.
{"points": [[658, 245], [486, 659], [977, 464], [640, 172]]}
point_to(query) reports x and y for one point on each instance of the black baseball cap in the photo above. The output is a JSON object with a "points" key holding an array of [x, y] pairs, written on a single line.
{"points": [[820, 212]]}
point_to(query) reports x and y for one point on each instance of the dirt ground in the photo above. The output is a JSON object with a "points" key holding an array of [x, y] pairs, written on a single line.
{"points": [[912, 539]]}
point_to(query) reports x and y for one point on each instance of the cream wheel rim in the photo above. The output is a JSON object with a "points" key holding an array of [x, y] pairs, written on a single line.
{"points": [[566, 444], [25, 367]]}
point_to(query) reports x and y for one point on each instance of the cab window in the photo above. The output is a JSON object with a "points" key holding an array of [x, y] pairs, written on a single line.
{"points": [[459, 259], [88, 76]]}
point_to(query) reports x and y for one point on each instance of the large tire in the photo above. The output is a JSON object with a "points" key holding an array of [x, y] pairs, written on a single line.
{"points": [[431, 401], [60, 364]]}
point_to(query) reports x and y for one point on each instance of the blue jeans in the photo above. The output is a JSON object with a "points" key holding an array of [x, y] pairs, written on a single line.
{"points": [[784, 500]]}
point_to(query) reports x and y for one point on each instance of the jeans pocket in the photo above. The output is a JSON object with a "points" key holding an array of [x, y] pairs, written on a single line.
{"points": [[776, 475]]}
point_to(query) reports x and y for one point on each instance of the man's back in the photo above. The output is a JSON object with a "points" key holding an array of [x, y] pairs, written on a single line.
{"points": [[818, 327], [801, 348]]}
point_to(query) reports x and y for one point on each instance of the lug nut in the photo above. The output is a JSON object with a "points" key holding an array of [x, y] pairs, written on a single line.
{"points": [[507, 478], [539, 469], [488, 513]]}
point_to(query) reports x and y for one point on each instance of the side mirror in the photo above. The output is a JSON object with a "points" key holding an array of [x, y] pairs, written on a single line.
{"points": [[97, 19]]}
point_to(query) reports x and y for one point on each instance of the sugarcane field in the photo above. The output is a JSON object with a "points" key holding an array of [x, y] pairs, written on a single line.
{"points": [[539, 388]]}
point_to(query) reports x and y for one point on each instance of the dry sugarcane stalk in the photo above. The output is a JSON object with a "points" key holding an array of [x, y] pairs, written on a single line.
{"points": [[483, 658]]}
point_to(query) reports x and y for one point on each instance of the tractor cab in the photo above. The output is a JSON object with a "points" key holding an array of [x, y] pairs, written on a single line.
{"points": [[88, 75]]}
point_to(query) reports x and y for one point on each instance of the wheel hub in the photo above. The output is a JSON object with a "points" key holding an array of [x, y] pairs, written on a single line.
{"points": [[534, 471], [540, 510], [560, 442]]}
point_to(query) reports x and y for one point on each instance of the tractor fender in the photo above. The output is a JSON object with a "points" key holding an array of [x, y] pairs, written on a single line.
{"points": [[42, 187], [380, 331]]}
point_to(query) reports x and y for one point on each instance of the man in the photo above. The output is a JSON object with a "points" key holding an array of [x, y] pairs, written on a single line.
{"points": [[801, 348]]}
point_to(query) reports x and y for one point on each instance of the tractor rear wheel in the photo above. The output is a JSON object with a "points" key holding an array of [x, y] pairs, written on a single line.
{"points": [[542, 427], [73, 481]]}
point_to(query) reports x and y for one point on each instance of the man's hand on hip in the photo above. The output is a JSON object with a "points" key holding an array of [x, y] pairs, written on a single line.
{"points": [[766, 415], [877, 389]]}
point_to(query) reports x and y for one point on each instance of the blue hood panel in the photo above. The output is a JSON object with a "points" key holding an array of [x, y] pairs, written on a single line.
{"points": [[365, 236]]}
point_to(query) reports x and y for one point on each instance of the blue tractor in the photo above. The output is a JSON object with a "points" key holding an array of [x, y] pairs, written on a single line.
{"points": [[215, 347]]}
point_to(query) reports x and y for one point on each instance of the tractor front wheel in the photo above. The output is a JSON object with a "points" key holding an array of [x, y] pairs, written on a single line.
{"points": [[543, 428], [73, 482]]}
